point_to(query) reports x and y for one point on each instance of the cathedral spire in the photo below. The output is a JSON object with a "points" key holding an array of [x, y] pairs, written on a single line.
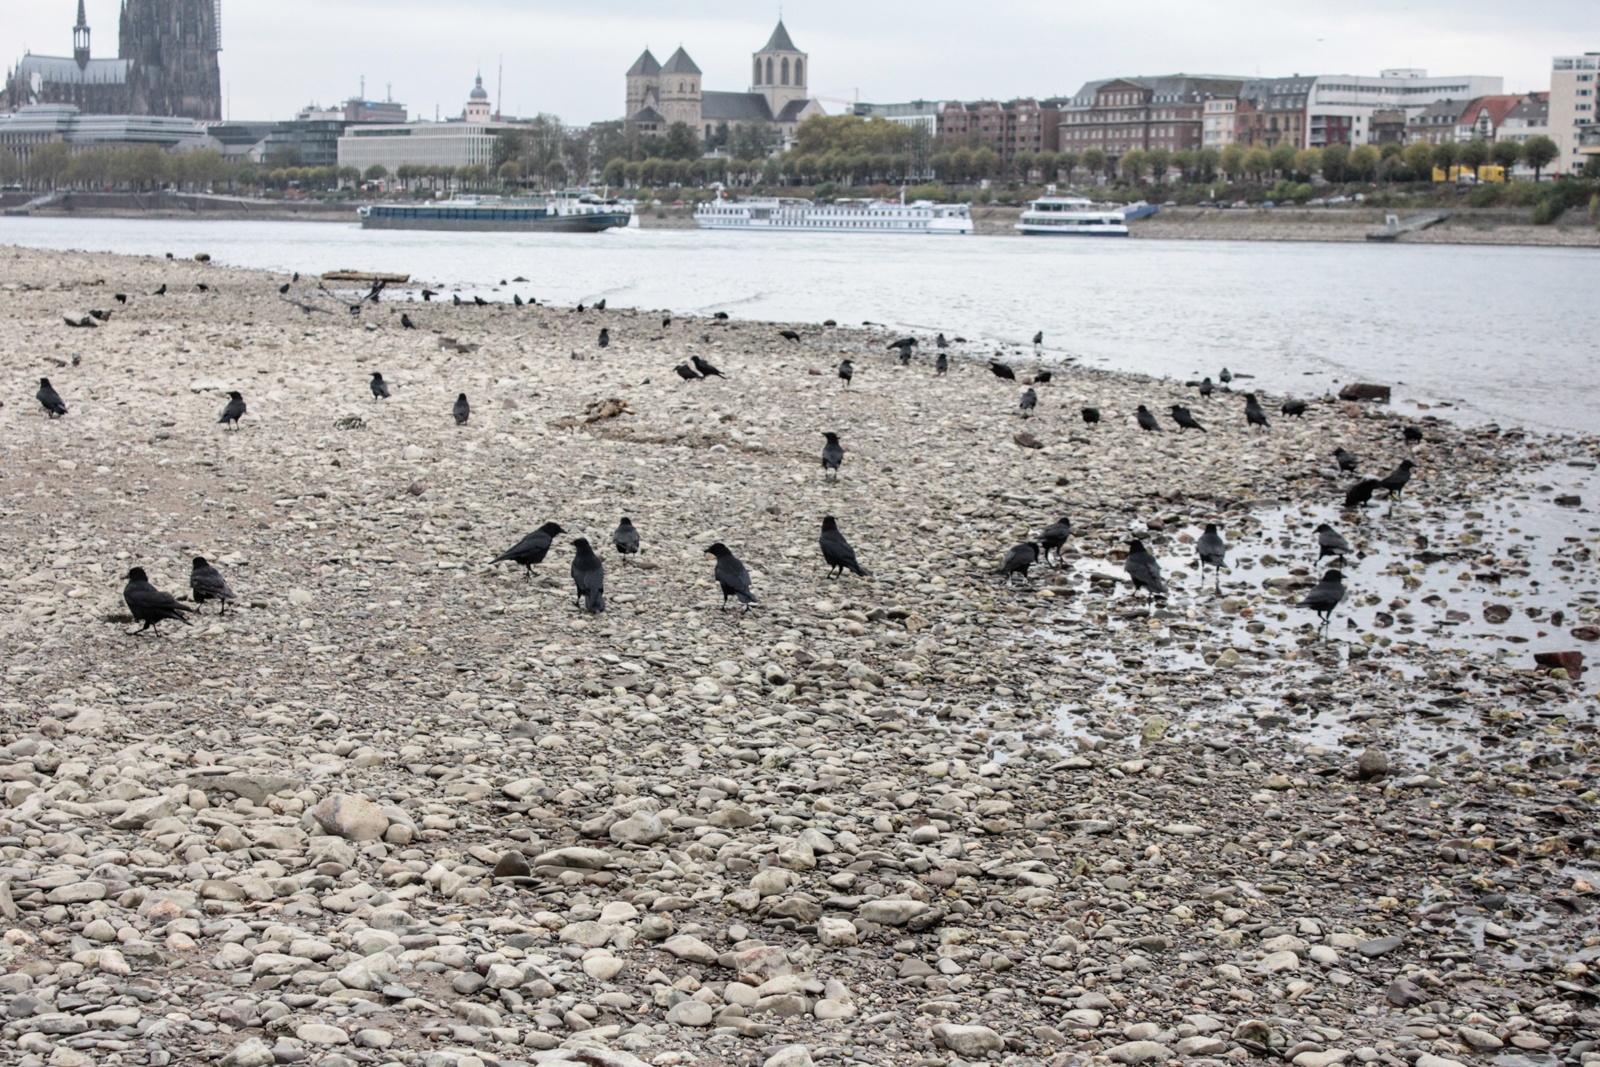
{"points": [[80, 38]]}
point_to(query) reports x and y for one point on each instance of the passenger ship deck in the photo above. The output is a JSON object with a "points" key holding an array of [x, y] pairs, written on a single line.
{"points": [[843, 216]]}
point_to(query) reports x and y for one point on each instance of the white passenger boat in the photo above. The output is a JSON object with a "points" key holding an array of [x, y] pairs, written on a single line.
{"points": [[841, 216], [1072, 216]]}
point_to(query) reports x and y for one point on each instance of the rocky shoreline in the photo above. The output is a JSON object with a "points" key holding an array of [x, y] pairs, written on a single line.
{"points": [[402, 807]]}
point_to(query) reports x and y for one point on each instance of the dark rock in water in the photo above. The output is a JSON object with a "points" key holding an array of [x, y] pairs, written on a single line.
{"points": [[1404, 993], [513, 864], [1569, 500], [1496, 613], [1572, 661], [1371, 764], [1365, 391], [1379, 946]]}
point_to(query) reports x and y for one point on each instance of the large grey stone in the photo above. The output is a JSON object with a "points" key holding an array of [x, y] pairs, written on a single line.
{"points": [[353, 818], [968, 1041]]}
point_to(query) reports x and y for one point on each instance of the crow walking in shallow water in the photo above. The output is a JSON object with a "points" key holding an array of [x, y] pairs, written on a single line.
{"points": [[1213, 553], [1019, 559], [731, 576], [1184, 419], [1144, 570], [531, 550], [1147, 421], [1331, 543], [149, 605], [234, 411], [626, 538], [1325, 596], [1396, 480], [1226, 376], [836, 551], [380, 388], [54, 406], [832, 454], [207, 583], [589, 576], [1358, 495], [1054, 538], [461, 409]]}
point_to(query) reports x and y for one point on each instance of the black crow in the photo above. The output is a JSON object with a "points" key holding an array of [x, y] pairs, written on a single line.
{"points": [[686, 372], [85, 323], [705, 368], [54, 406], [380, 388], [1396, 480], [905, 345], [832, 454], [149, 605], [1054, 538], [461, 409], [1144, 570], [787, 335], [103, 316], [121, 298], [406, 323], [1042, 378], [589, 576], [941, 342], [905, 357], [516, 299], [1148, 421], [532, 549], [1184, 419], [1359, 494], [1038, 338], [847, 370], [428, 295], [720, 316], [1002, 371], [605, 337], [234, 411], [837, 552], [1030, 400], [1412, 434], [1294, 407], [626, 538], [1018, 559], [1325, 596], [1253, 415], [1226, 376], [456, 299], [666, 321], [1347, 460], [207, 583], [1206, 389], [202, 287], [731, 576], [941, 365], [161, 291], [480, 301], [1213, 553], [1091, 415], [1331, 543], [600, 305]]}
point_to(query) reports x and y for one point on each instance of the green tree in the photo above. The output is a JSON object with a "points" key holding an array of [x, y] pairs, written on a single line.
{"points": [[615, 173], [509, 172], [1308, 161], [1445, 155], [1206, 162], [681, 142], [1506, 154], [1418, 157], [1257, 162], [1184, 159], [1282, 158], [1066, 163], [1231, 160], [1094, 161], [1539, 152], [1364, 161], [1133, 164], [1334, 163], [49, 163], [375, 173], [10, 166], [1049, 165], [1475, 153], [1160, 162], [349, 176], [1022, 165]]}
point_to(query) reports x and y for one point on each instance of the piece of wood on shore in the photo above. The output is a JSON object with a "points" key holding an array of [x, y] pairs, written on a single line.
{"points": [[365, 276]]}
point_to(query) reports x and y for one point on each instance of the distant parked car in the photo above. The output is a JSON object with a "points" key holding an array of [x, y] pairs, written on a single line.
{"points": [[1339, 200], [1268, 203], [1316, 201]]}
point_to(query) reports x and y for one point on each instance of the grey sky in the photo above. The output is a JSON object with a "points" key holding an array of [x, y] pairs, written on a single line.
{"points": [[566, 58]]}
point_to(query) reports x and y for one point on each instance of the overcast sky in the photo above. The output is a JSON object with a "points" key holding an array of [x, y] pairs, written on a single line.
{"points": [[569, 59]]}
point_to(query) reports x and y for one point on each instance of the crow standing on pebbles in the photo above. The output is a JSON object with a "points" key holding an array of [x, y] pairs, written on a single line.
{"points": [[905, 345], [1206, 389], [1147, 421], [1325, 596], [1331, 543], [705, 368], [149, 605], [941, 365], [1091, 416], [832, 454], [1054, 538], [161, 291], [532, 549], [626, 538], [731, 576], [1184, 419], [1396, 480], [1253, 415], [1030, 400], [589, 576], [1001, 370], [1019, 559], [461, 409], [847, 370], [207, 583], [1348, 461], [787, 335], [836, 551], [234, 411], [1144, 570], [605, 337], [54, 406], [1412, 434], [1358, 495], [686, 372], [1213, 553], [380, 388], [406, 323]]}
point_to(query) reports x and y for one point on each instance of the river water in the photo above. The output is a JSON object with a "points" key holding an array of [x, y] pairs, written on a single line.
{"points": [[1481, 333]]}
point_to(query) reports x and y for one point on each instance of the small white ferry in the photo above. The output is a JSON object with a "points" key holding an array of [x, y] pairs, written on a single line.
{"points": [[1072, 216], [841, 216]]}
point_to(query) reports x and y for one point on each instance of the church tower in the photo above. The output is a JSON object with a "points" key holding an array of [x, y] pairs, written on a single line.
{"points": [[80, 39], [478, 109], [779, 72], [174, 46], [644, 85], [680, 90]]}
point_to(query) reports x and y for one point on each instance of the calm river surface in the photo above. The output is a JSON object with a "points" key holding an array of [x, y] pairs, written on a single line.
{"points": [[1501, 334]]}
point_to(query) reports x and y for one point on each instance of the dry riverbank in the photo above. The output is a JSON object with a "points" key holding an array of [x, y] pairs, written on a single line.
{"points": [[400, 806]]}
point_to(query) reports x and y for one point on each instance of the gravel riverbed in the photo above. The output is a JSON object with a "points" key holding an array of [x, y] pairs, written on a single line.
{"points": [[399, 806]]}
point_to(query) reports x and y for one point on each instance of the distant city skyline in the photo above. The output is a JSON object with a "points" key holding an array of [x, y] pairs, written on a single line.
{"points": [[279, 57]]}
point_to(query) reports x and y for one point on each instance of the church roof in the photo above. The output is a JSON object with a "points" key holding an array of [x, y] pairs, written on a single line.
{"points": [[680, 63], [779, 42], [478, 91], [734, 107], [648, 114], [63, 70], [793, 110], [645, 66]]}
